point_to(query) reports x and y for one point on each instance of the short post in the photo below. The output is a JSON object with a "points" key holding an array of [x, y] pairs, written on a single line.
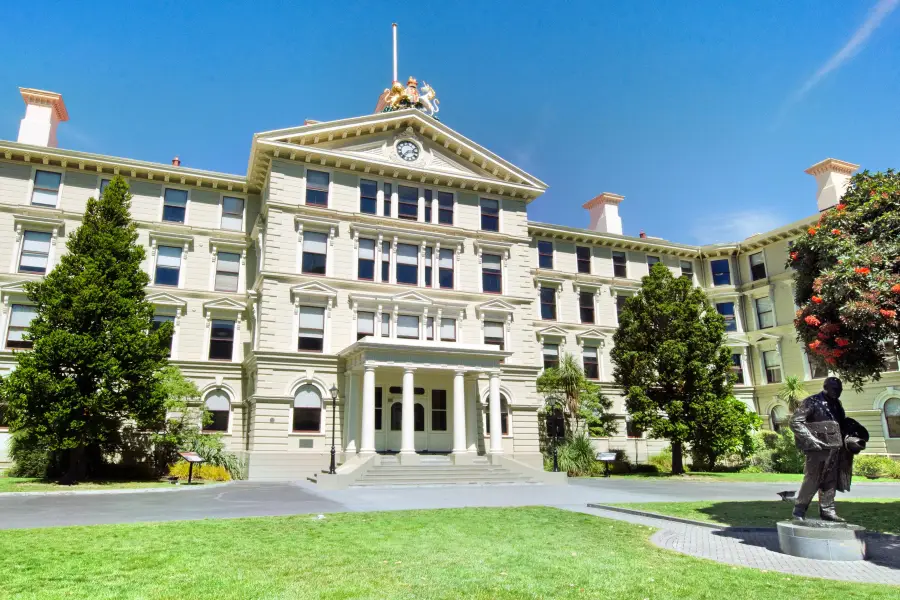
{"points": [[334, 396], [190, 472]]}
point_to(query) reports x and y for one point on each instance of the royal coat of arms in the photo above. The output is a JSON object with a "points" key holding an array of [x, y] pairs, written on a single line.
{"points": [[398, 97]]}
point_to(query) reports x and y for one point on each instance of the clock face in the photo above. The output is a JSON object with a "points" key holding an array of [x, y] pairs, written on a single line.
{"points": [[407, 150]]}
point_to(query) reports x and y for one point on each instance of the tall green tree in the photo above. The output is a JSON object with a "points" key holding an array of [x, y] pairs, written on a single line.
{"points": [[95, 358], [583, 403], [672, 363]]}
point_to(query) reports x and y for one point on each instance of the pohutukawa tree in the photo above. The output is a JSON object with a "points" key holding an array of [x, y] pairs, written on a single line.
{"points": [[95, 358], [847, 278], [673, 365]]}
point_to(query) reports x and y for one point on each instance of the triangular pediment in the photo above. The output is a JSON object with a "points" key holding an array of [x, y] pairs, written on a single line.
{"points": [[496, 306], [592, 334], [226, 304], [164, 299], [412, 298], [314, 288], [16, 287], [553, 331]]}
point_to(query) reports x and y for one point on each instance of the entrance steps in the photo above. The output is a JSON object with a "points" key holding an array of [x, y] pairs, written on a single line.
{"points": [[438, 470]]}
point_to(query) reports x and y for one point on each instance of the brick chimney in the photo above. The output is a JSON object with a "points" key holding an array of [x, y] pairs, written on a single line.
{"points": [[604, 213], [43, 112], [832, 178]]}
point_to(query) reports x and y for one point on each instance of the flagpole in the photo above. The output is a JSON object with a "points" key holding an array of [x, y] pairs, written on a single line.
{"points": [[394, 27]]}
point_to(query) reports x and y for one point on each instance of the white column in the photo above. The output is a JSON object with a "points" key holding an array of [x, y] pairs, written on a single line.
{"points": [[407, 434], [367, 436], [351, 411], [472, 415], [459, 412], [496, 421]]}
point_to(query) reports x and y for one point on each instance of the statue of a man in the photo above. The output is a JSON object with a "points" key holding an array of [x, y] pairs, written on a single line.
{"points": [[829, 439]]}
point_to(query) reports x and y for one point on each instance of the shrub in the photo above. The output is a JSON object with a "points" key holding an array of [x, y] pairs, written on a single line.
{"points": [[29, 458], [577, 456], [201, 471], [872, 465], [663, 460], [786, 458]]}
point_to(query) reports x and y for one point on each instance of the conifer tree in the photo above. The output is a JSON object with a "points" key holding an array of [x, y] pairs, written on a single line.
{"points": [[95, 358]]}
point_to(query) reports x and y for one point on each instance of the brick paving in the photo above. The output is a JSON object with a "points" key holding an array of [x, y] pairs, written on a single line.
{"points": [[758, 549]]}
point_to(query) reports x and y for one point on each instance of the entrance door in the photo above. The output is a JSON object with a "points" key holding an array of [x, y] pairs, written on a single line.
{"points": [[395, 431], [420, 435]]}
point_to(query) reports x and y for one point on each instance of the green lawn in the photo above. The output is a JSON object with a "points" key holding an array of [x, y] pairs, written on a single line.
{"points": [[755, 477], [27, 484], [461, 553], [874, 514]]}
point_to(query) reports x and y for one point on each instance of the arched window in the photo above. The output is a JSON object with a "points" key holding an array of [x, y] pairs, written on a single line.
{"points": [[504, 417], [892, 417], [396, 416], [219, 406], [418, 417], [778, 417], [307, 409]]}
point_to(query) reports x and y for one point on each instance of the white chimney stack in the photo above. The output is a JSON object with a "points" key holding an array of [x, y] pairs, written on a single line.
{"points": [[604, 211], [832, 178], [43, 112]]}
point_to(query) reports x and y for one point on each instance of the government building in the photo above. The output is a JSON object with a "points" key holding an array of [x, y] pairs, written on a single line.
{"points": [[388, 261]]}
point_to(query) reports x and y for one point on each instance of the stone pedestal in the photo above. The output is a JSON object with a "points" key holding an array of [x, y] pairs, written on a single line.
{"points": [[822, 540]]}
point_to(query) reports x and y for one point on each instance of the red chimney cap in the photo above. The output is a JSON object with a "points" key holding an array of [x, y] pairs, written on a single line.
{"points": [[643, 235], [176, 162]]}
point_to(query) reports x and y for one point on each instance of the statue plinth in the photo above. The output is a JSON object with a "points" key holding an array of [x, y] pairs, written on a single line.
{"points": [[822, 540]]}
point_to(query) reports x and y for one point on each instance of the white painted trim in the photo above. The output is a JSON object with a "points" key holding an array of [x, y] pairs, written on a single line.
{"points": [[221, 211], [59, 194], [307, 167], [162, 202], [212, 387], [890, 393]]}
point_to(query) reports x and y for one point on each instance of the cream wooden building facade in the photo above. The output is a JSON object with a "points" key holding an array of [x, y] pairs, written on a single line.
{"points": [[392, 258]]}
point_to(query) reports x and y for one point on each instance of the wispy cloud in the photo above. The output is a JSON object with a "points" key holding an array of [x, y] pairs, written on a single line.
{"points": [[873, 21], [734, 227]]}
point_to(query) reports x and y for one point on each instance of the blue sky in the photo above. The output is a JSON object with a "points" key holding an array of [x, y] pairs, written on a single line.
{"points": [[702, 114]]}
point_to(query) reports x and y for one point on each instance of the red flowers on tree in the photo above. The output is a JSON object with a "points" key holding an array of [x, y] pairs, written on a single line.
{"points": [[863, 270], [812, 321], [816, 299], [896, 288]]}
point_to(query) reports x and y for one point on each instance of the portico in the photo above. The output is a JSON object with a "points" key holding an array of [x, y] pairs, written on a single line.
{"points": [[435, 406]]}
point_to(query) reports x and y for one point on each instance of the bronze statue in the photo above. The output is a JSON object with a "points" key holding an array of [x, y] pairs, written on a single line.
{"points": [[829, 439]]}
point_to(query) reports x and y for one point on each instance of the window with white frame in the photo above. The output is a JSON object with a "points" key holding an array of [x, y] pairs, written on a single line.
{"points": [[504, 417], [687, 269], [365, 324], [307, 417], [652, 260], [315, 251], [621, 300], [721, 271], [726, 309], [490, 214], [586, 306], [429, 203], [385, 325], [445, 269], [772, 364], [494, 334], [20, 318], [765, 312], [583, 256], [551, 356], [218, 404], [388, 195], [439, 410], [385, 262], [429, 328], [757, 266], [35, 252], [545, 254], [46, 188], [891, 362], [817, 367], [448, 330], [407, 202], [168, 265], [311, 336], [429, 266], [104, 183], [445, 208], [368, 196], [366, 260], [221, 340], [408, 264], [492, 273], [591, 362], [891, 410], [232, 213], [158, 321], [408, 327], [620, 264], [174, 205], [317, 187], [228, 267], [548, 303], [737, 367]]}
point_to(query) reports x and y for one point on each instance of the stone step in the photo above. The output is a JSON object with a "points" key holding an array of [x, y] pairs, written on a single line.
{"points": [[482, 473]]}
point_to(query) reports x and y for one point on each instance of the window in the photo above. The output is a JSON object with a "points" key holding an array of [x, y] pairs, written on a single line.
{"points": [[757, 266], [490, 215], [219, 407], [317, 188], [429, 201], [221, 340], [504, 417], [232, 213], [315, 247], [174, 205], [726, 309], [407, 202], [621, 299], [687, 269], [35, 252], [448, 330], [493, 334], [620, 264], [737, 368], [388, 195], [591, 362], [778, 417], [20, 318], [652, 260], [408, 327], [385, 262], [396, 416], [408, 264], [439, 410], [104, 183], [545, 255], [311, 336], [168, 265], [307, 410], [365, 324], [445, 208], [228, 265], [368, 197], [551, 356], [721, 272], [429, 328], [366, 263], [379, 406], [491, 274], [46, 188], [892, 417], [158, 321], [583, 254], [772, 363], [765, 312], [890, 356], [445, 269], [418, 417], [548, 303], [632, 430], [586, 306], [429, 266], [817, 367]]}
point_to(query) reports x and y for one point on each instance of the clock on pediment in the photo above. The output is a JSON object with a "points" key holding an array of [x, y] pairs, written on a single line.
{"points": [[407, 148]]}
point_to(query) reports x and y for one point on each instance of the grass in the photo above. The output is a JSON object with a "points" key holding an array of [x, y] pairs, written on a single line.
{"points": [[28, 484], [459, 553], [753, 477], [874, 514]]}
